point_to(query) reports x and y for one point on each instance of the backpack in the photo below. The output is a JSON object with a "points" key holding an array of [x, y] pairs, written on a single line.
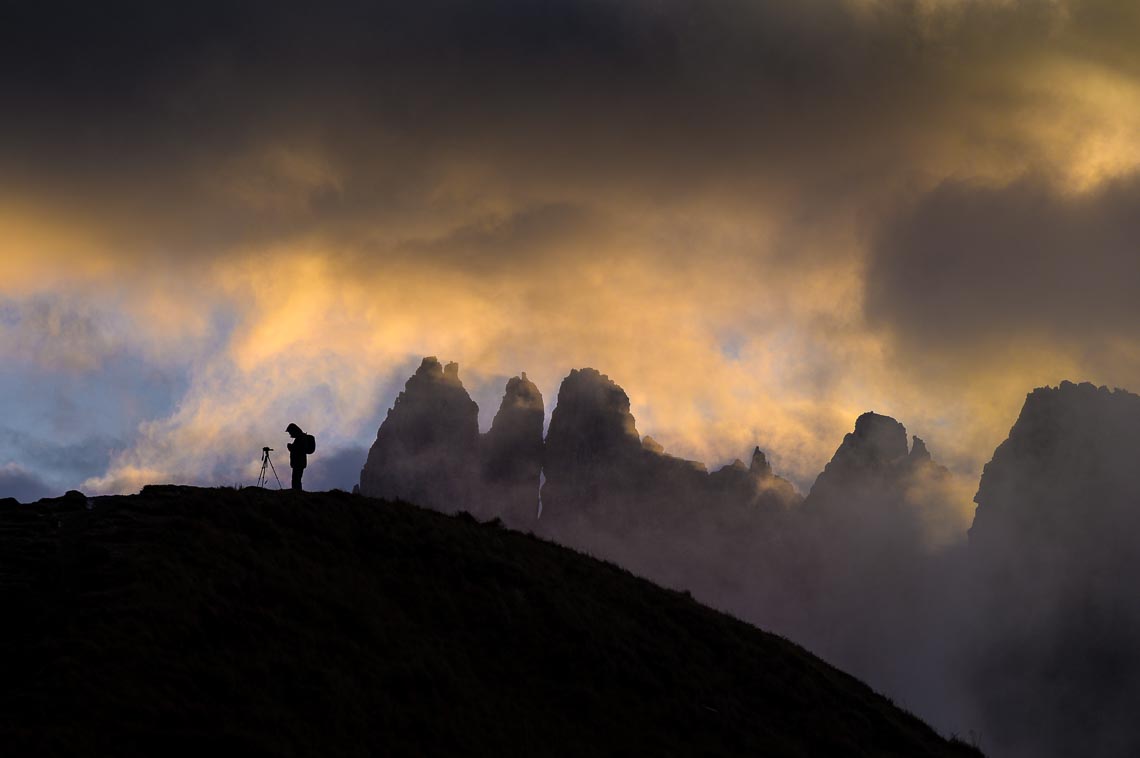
{"points": [[309, 444]]}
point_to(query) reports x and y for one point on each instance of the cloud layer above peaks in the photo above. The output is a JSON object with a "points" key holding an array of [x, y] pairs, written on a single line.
{"points": [[760, 218]]}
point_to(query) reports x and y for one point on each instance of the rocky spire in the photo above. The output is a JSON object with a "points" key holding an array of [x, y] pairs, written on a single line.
{"points": [[426, 449], [512, 454], [1066, 470], [760, 466], [870, 469], [1055, 553], [877, 441], [592, 446], [918, 451], [752, 486]]}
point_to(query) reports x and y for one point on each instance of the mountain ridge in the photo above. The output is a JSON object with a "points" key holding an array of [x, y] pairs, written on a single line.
{"points": [[186, 619]]}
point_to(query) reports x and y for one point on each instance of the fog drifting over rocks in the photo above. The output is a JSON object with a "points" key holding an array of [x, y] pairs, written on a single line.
{"points": [[773, 215], [763, 218], [990, 634]]}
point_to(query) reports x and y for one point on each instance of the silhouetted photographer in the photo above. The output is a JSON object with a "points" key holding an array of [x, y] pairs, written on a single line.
{"points": [[300, 448]]}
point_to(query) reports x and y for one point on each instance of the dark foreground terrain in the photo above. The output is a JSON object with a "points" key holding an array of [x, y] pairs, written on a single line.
{"points": [[182, 621]]}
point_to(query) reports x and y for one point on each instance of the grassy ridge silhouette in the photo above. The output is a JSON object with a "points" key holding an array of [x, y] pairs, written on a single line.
{"points": [[184, 620]]}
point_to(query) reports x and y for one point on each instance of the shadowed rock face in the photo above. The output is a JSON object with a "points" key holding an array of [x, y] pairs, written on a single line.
{"points": [[752, 489], [592, 446], [861, 566], [426, 449], [598, 472], [605, 491], [870, 457], [429, 451], [1029, 634], [871, 469], [1054, 556], [1066, 474], [512, 454], [665, 517], [918, 451]]}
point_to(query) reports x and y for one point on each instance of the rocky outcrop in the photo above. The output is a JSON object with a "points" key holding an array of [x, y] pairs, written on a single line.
{"points": [[860, 559], [869, 458], [871, 470], [918, 451], [1037, 612], [594, 457], [1053, 556], [626, 499], [591, 430], [1066, 478], [426, 450], [759, 467], [599, 474], [752, 488], [600, 477], [511, 455]]}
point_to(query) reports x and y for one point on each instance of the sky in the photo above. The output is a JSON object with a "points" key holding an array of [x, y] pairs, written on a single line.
{"points": [[759, 218]]}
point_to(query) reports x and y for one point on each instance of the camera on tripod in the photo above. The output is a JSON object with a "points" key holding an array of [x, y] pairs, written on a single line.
{"points": [[266, 467]]}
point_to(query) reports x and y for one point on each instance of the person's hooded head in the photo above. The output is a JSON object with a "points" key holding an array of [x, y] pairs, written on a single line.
{"points": [[294, 430]]}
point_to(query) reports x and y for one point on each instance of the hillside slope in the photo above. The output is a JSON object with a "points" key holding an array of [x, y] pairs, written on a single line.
{"points": [[185, 620]]}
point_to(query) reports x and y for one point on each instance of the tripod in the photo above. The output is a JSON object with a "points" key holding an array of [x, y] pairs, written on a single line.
{"points": [[263, 477]]}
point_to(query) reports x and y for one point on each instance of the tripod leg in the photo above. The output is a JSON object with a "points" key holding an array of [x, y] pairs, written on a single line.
{"points": [[274, 473], [263, 477]]}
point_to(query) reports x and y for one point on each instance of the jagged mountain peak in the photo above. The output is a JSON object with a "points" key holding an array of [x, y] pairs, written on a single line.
{"points": [[521, 393], [877, 439], [425, 449], [1069, 460], [872, 468], [592, 417], [760, 466], [918, 451]]}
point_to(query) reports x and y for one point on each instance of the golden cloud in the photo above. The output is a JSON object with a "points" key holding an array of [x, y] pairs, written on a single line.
{"points": [[693, 209]]}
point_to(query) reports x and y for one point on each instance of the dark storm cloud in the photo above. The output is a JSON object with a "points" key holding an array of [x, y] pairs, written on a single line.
{"points": [[969, 264], [144, 116], [203, 70]]}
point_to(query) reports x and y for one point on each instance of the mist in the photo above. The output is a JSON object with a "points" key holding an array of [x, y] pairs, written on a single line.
{"points": [[764, 219], [759, 220], [984, 630]]}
